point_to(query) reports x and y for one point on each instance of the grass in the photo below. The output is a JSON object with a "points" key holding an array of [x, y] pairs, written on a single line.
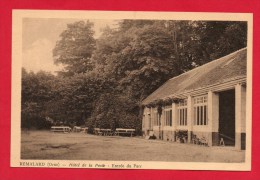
{"points": [[78, 146]]}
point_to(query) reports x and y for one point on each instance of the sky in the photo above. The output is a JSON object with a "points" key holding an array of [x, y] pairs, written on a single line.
{"points": [[39, 36]]}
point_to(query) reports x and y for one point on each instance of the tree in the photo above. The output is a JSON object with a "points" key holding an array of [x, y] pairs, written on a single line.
{"points": [[199, 42], [137, 58], [75, 48], [142, 54], [36, 93], [114, 111], [75, 96], [104, 81]]}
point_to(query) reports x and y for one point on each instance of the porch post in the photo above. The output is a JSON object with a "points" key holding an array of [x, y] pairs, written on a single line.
{"points": [[174, 120], [162, 123], [149, 120], [189, 117], [144, 121], [240, 116], [213, 118]]}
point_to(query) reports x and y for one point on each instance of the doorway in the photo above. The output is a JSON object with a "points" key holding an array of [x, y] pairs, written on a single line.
{"points": [[227, 117]]}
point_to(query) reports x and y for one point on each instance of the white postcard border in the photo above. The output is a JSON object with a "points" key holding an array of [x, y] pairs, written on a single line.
{"points": [[18, 15]]}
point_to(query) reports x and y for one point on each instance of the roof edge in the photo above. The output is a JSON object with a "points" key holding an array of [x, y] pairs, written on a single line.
{"points": [[206, 64], [211, 62]]}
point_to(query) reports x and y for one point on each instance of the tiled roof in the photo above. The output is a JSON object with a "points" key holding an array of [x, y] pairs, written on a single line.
{"points": [[228, 67]]}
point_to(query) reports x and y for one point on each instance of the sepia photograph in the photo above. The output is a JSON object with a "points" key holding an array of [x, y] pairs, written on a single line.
{"points": [[131, 90]]}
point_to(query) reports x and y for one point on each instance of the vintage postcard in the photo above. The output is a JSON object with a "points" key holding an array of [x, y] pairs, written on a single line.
{"points": [[131, 90]]}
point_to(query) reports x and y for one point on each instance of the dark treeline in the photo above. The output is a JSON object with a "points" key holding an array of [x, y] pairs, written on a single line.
{"points": [[104, 80]]}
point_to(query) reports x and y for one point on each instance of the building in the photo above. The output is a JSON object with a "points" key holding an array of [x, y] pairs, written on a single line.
{"points": [[206, 105]]}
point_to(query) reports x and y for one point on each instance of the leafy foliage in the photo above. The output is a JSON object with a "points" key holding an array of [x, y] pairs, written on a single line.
{"points": [[105, 80], [75, 48], [114, 111], [36, 92]]}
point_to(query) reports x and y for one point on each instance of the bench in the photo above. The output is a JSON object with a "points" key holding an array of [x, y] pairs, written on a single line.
{"points": [[121, 131], [97, 131], [76, 129], [106, 132], [64, 129], [84, 130], [80, 129], [103, 132]]}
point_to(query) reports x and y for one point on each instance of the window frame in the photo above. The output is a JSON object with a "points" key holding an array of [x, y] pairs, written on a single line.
{"points": [[200, 110], [168, 118], [182, 112], [156, 118]]}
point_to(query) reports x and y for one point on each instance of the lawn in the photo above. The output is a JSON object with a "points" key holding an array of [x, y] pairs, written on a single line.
{"points": [[79, 146]]}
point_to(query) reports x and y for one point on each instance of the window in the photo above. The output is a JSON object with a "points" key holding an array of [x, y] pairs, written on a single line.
{"points": [[149, 121], [168, 116], [200, 110], [151, 118], [182, 113], [156, 119]]}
